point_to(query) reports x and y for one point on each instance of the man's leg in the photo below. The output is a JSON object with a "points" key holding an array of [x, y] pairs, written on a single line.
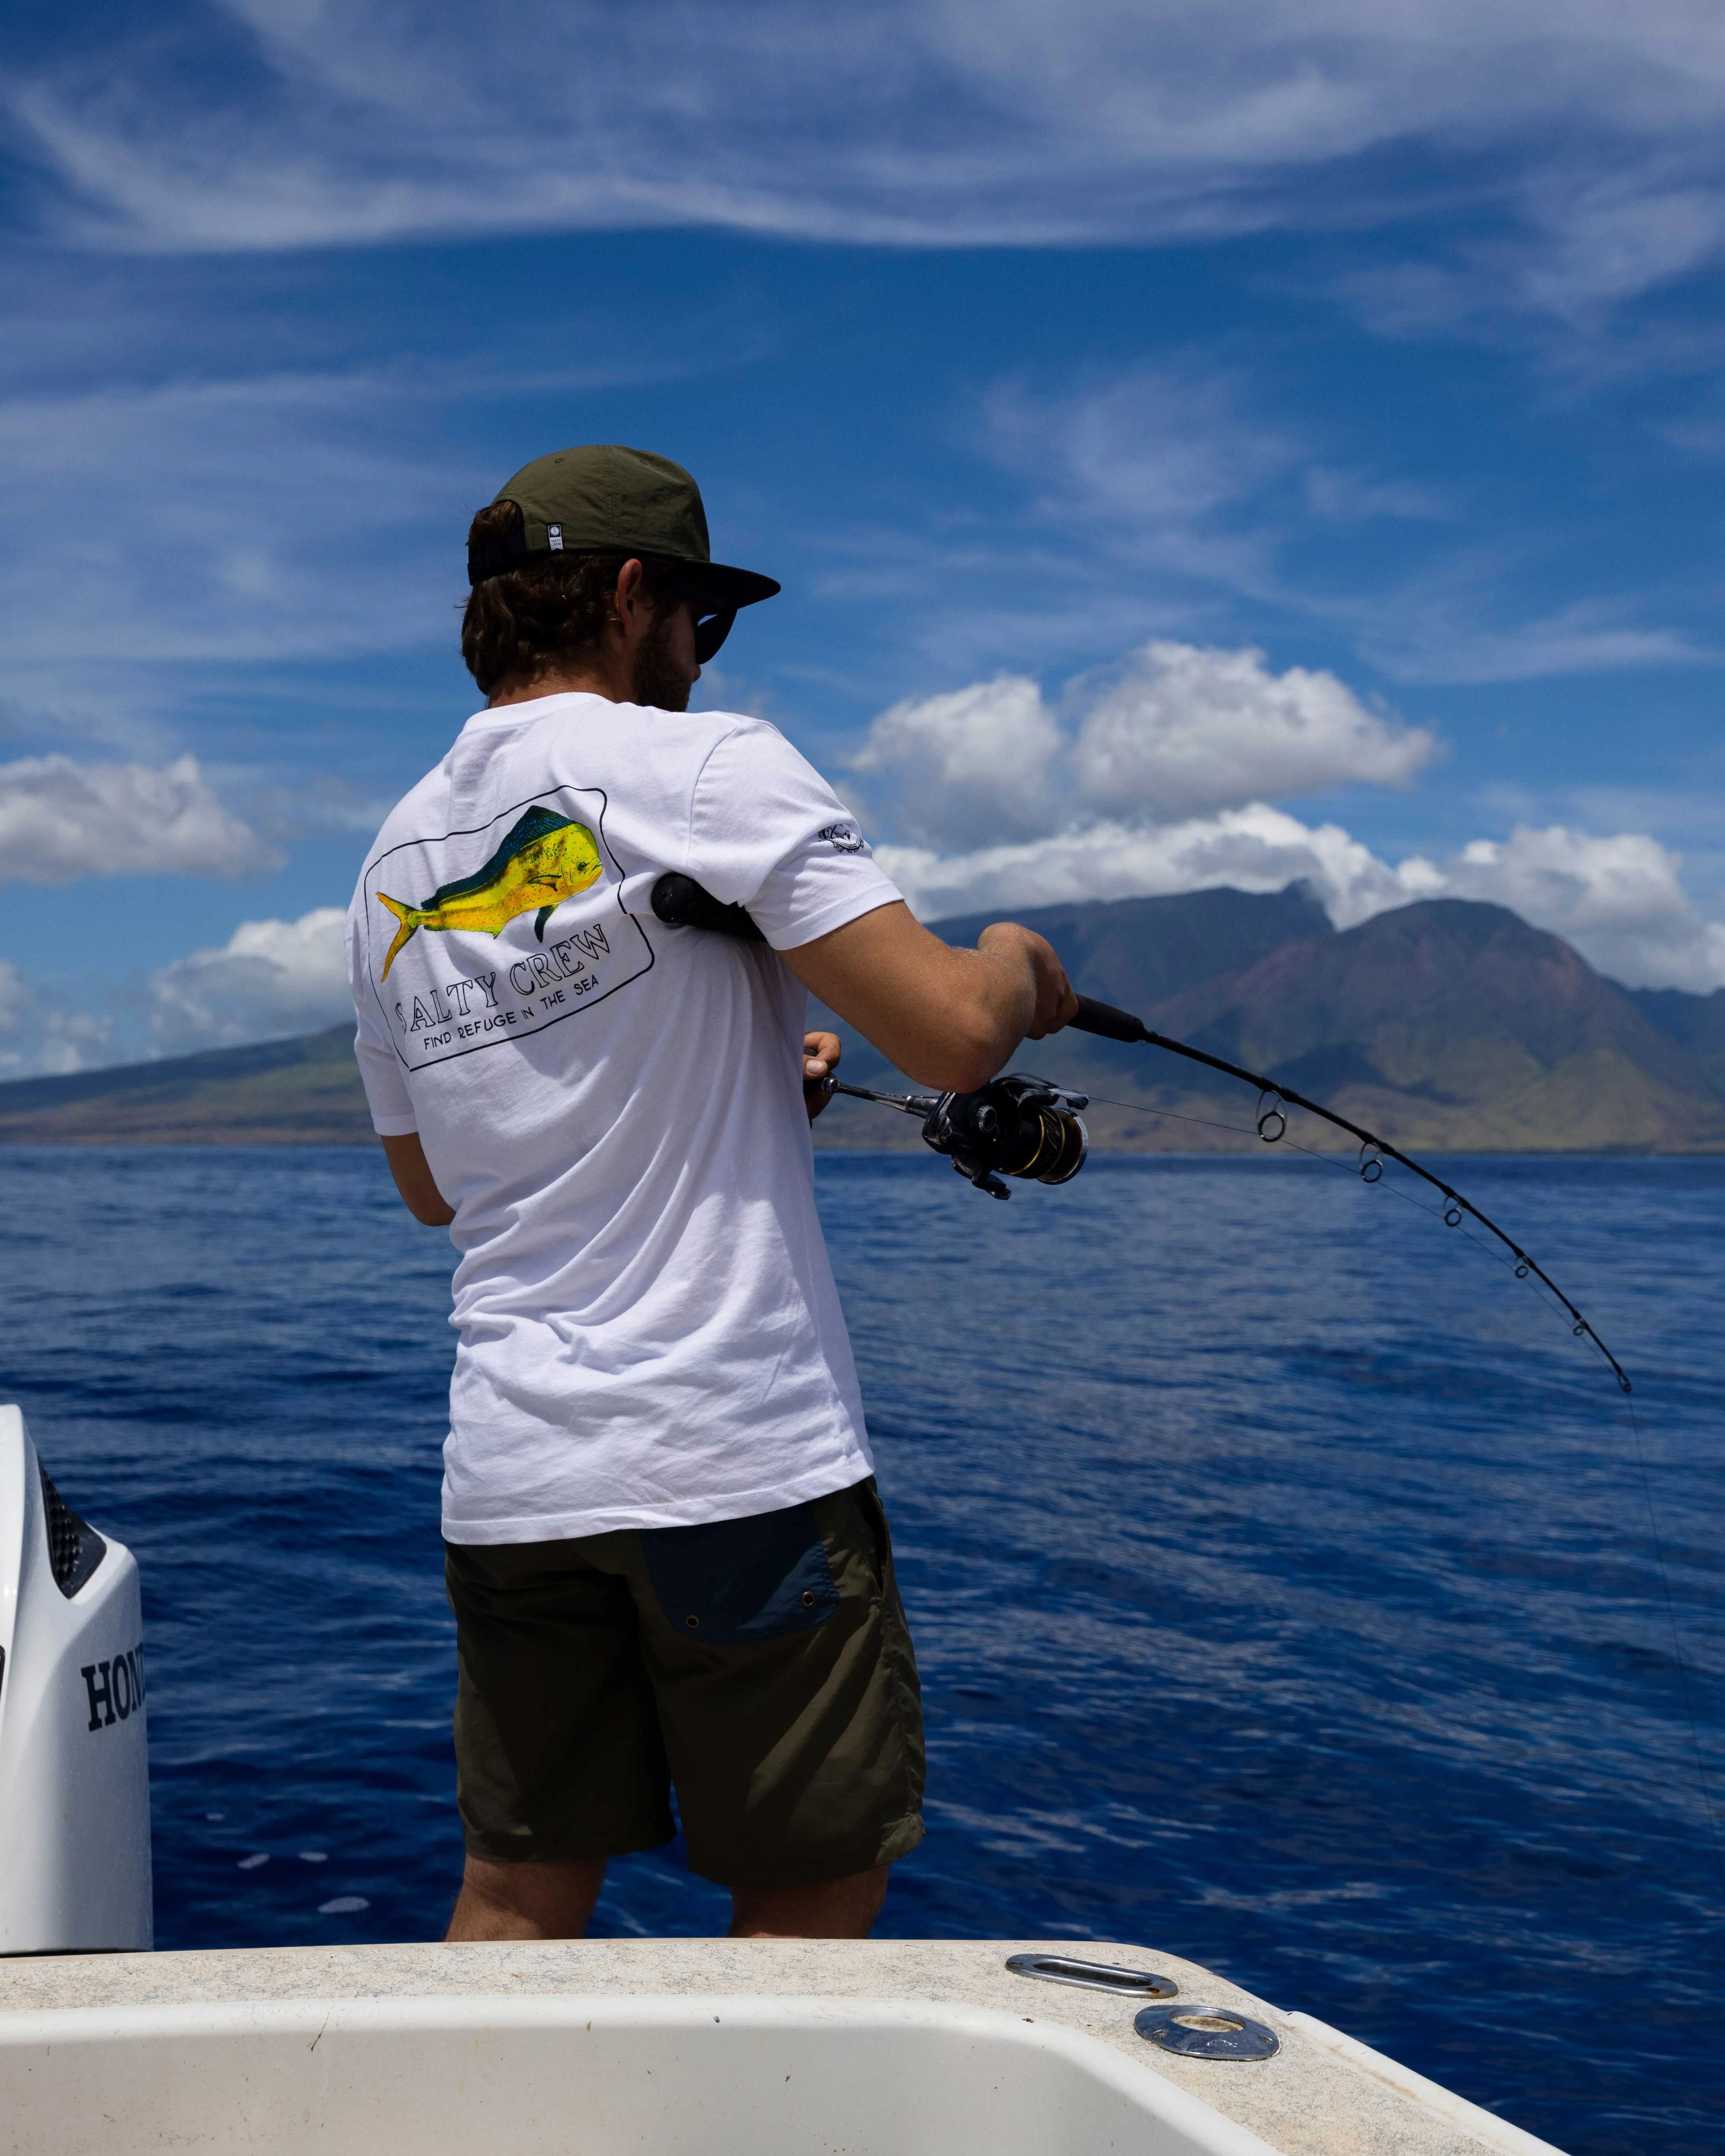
{"points": [[544, 1901], [787, 1694], [835, 1909], [559, 1763]]}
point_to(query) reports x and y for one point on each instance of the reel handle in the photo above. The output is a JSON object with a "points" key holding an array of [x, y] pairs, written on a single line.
{"points": [[1112, 1025]]}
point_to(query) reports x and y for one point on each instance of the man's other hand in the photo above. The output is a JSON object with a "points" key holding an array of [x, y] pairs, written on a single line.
{"points": [[820, 1058], [415, 1181]]}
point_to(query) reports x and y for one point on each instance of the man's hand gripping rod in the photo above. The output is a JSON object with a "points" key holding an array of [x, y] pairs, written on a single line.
{"points": [[1018, 1125]]}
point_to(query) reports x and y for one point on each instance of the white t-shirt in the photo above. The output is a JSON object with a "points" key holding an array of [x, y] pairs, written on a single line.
{"points": [[650, 1332]]}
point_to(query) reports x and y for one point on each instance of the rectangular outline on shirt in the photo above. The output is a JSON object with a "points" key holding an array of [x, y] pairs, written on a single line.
{"points": [[473, 831]]}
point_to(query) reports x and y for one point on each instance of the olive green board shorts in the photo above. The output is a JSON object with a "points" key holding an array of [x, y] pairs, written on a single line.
{"points": [[762, 1665]]}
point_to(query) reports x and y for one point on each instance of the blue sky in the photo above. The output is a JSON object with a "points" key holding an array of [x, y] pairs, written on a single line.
{"points": [[1198, 445]]}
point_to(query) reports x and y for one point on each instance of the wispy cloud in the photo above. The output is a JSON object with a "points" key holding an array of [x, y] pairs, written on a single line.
{"points": [[1167, 481], [346, 121]]}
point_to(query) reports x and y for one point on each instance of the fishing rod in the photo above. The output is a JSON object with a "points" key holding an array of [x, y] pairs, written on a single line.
{"points": [[1029, 1127]]}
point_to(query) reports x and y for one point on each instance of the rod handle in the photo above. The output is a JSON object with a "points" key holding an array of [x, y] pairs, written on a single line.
{"points": [[1112, 1025], [681, 902]]}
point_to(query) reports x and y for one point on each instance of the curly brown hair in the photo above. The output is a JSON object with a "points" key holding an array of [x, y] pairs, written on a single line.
{"points": [[556, 605]]}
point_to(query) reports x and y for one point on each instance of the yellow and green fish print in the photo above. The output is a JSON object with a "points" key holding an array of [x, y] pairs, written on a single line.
{"points": [[545, 860]]}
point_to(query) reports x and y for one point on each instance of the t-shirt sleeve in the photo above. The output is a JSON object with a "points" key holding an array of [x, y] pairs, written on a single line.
{"points": [[766, 832], [380, 1068]]}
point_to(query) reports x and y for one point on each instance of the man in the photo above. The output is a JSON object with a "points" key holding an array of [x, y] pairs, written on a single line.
{"points": [[666, 1554]]}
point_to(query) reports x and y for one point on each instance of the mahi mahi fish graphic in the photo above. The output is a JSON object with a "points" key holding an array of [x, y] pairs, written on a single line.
{"points": [[545, 860]]}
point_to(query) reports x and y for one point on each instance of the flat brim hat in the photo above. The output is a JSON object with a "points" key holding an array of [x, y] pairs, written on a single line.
{"points": [[603, 499]]}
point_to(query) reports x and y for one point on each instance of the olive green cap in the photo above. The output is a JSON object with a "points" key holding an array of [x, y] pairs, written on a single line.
{"points": [[603, 499]]}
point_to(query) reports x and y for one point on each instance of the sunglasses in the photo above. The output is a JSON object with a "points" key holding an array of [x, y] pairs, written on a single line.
{"points": [[713, 622]]}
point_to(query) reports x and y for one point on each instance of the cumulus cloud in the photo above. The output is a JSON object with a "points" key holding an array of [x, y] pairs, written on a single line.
{"points": [[1183, 730], [39, 1039], [1174, 731], [1152, 778], [60, 820], [270, 978], [959, 769], [1618, 900]]}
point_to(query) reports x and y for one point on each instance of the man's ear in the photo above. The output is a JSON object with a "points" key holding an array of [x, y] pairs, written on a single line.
{"points": [[630, 603]]}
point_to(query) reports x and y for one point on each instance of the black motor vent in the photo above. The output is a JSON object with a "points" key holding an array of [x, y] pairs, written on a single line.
{"points": [[74, 1549]]}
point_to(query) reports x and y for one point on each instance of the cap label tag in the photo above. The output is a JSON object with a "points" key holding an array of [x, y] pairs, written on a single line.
{"points": [[554, 537]]}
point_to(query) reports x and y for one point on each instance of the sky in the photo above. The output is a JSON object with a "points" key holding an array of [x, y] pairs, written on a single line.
{"points": [[1198, 444]]}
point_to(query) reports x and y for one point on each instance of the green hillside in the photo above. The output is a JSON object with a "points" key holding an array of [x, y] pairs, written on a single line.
{"points": [[304, 1092], [1444, 1026]]}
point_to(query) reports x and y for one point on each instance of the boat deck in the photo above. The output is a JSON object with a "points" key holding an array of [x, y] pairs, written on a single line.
{"points": [[1320, 2096]]}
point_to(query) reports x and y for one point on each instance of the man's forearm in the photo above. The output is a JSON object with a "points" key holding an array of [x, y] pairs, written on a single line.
{"points": [[947, 1018]]}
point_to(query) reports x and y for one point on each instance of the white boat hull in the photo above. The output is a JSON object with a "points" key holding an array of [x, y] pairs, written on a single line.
{"points": [[74, 1769]]}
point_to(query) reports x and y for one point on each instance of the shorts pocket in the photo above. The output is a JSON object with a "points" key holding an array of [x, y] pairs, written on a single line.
{"points": [[734, 1582]]}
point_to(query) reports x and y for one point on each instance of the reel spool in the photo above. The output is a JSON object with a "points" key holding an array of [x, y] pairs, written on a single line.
{"points": [[1018, 1126]]}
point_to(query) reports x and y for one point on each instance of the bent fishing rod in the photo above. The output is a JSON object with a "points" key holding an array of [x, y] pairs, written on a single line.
{"points": [[1028, 1127]]}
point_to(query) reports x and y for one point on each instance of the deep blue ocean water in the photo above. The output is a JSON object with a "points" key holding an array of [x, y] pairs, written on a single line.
{"points": [[1280, 1570]]}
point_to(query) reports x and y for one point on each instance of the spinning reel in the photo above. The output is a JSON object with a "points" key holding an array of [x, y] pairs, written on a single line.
{"points": [[1019, 1125]]}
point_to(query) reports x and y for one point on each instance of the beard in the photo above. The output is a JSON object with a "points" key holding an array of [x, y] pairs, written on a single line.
{"points": [[660, 676]]}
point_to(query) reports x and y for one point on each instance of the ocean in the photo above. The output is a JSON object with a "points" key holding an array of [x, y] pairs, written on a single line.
{"points": [[1281, 1570]]}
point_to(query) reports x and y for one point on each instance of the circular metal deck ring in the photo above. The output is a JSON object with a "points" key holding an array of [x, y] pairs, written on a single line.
{"points": [[1094, 1975], [1206, 2032]]}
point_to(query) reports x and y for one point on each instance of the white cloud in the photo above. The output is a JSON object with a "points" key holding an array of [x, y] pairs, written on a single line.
{"points": [[270, 978], [962, 767], [61, 820], [1151, 778], [1013, 121], [1174, 731], [37, 1040], [1164, 477], [1618, 900], [1181, 731], [1255, 848]]}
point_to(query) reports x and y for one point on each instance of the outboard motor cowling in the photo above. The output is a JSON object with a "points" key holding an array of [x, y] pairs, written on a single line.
{"points": [[75, 1775]]}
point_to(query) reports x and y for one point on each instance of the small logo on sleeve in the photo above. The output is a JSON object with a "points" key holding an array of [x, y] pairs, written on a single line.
{"points": [[842, 837]]}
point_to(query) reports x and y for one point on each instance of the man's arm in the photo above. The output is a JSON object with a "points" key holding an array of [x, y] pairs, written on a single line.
{"points": [[946, 1019], [414, 1180]]}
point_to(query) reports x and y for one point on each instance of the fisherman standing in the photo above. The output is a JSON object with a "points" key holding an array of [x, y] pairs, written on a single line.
{"points": [[666, 1557]]}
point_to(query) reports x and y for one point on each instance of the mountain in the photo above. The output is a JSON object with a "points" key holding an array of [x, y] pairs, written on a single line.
{"points": [[1698, 1022], [304, 1092], [1136, 953], [1445, 1025]]}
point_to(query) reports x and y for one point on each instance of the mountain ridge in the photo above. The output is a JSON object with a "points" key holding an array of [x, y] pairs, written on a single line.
{"points": [[1447, 1025]]}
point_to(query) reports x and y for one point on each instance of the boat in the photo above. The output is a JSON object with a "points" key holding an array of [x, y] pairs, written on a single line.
{"points": [[74, 1767], [684, 2047], [696, 2047]]}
